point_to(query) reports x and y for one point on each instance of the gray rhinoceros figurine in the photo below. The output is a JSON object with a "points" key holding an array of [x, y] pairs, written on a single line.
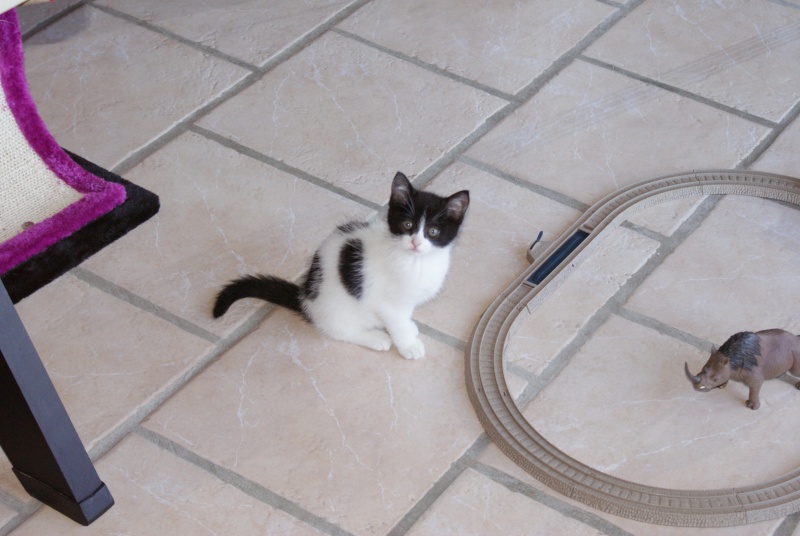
{"points": [[750, 358]]}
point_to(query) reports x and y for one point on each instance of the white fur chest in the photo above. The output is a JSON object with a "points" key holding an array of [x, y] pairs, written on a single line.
{"points": [[414, 279], [393, 274], [428, 273]]}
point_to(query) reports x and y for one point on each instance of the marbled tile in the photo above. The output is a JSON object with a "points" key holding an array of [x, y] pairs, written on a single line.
{"points": [[352, 115], [105, 357], [504, 45], [475, 504], [638, 418], [493, 457], [157, 493], [349, 434], [223, 215], [32, 14], [557, 319], [736, 272], [782, 156], [105, 87], [502, 222], [591, 131], [736, 52], [250, 30]]}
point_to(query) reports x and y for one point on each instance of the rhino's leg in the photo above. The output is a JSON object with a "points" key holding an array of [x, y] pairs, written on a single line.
{"points": [[794, 377], [752, 400], [795, 370]]}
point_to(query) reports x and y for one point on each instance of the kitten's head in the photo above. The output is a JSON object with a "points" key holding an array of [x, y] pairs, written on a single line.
{"points": [[422, 220]]}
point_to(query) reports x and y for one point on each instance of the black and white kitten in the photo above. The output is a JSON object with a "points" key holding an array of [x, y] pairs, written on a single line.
{"points": [[366, 278]]}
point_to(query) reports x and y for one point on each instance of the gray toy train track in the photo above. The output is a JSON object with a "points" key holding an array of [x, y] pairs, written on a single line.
{"points": [[512, 433]]}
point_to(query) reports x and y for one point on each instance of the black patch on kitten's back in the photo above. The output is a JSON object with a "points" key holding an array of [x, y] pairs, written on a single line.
{"points": [[351, 260], [409, 204], [313, 279]]}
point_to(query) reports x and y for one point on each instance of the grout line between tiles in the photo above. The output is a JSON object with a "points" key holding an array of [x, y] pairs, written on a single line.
{"points": [[282, 166], [678, 91], [15, 503], [515, 485], [144, 304], [205, 49], [520, 372], [442, 337], [20, 518], [14, 524], [55, 17], [535, 188], [644, 231], [243, 484], [610, 3], [427, 66], [788, 526], [441, 486], [24, 510], [665, 329], [770, 138], [450, 156]]}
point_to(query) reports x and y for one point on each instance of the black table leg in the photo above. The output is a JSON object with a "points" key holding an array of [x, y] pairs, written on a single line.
{"points": [[36, 433]]}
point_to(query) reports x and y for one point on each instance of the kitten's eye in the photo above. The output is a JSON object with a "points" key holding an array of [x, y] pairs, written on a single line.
{"points": [[407, 225], [433, 232]]}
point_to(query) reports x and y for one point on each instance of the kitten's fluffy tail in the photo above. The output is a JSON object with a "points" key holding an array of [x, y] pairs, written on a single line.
{"points": [[264, 287]]}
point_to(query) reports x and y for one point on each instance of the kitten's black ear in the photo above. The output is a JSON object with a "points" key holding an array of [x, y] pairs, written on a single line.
{"points": [[401, 189], [457, 205]]}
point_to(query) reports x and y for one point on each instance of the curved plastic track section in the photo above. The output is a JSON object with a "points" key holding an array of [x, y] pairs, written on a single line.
{"points": [[508, 428]]}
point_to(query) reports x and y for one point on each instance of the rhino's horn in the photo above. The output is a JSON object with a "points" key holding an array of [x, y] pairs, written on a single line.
{"points": [[694, 379]]}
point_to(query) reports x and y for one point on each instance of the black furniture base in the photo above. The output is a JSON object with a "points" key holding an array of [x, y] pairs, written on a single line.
{"points": [[84, 512], [36, 433]]}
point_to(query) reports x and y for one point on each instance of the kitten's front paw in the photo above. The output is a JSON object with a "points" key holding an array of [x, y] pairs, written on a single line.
{"points": [[377, 340], [415, 350]]}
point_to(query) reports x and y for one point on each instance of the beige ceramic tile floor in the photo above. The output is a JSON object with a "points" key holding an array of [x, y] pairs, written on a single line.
{"points": [[264, 124]]}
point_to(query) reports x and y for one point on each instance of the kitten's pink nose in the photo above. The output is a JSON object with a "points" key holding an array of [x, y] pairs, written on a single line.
{"points": [[416, 242]]}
